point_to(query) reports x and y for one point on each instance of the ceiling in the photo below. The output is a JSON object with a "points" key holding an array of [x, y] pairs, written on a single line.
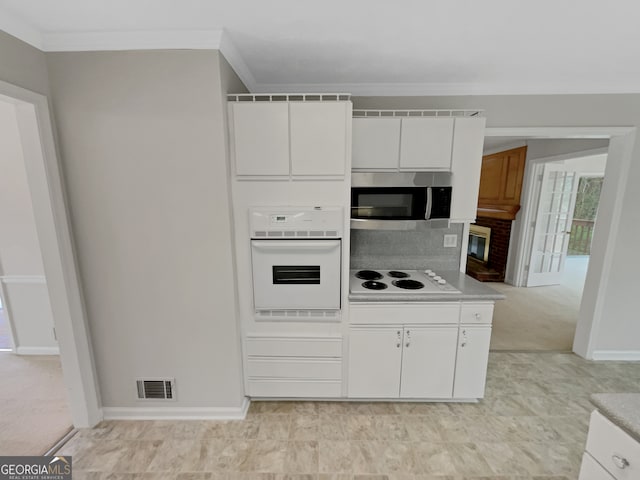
{"points": [[366, 47]]}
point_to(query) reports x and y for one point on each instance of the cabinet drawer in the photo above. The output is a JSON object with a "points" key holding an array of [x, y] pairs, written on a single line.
{"points": [[320, 369], [610, 446], [294, 388], [395, 314], [592, 470], [481, 313], [294, 346]]}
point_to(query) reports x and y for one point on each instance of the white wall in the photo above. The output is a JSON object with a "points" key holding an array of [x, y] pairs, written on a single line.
{"points": [[21, 269], [143, 146], [619, 330]]}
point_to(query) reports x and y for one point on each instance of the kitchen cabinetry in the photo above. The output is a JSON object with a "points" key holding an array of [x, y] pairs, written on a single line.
{"points": [[261, 138], [428, 362], [501, 179], [293, 366], [610, 453], [375, 358], [376, 144], [425, 144], [416, 350], [473, 349], [411, 144], [290, 139], [466, 163]]}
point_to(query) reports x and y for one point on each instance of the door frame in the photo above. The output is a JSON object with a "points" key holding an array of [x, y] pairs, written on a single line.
{"points": [[621, 142], [54, 233]]}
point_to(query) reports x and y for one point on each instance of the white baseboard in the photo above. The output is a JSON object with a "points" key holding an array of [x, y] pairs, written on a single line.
{"points": [[617, 355], [177, 413], [38, 351]]}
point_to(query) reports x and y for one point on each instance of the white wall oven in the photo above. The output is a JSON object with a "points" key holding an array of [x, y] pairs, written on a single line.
{"points": [[296, 260]]}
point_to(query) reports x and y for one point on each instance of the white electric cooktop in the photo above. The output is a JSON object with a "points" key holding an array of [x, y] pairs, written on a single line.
{"points": [[398, 281]]}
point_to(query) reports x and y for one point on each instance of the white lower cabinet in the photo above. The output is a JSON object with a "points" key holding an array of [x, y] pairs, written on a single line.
{"points": [[613, 449], [428, 362], [471, 361], [419, 351], [402, 362], [592, 470], [375, 357], [293, 366]]}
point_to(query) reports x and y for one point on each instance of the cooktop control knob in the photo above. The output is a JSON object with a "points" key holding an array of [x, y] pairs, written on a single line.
{"points": [[442, 281], [431, 274], [428, 271], [437, 278]]}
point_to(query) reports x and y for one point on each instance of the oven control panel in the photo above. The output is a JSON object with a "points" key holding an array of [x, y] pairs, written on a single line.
{"points": [[296, 222]]}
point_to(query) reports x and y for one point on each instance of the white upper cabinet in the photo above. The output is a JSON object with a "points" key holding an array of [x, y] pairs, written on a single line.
{"points": [[466, 163], [318, 137], [261, 138], [425, 143], [376, 143], [299, 139]]}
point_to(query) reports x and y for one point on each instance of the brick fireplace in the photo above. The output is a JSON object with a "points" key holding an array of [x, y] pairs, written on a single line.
{"points": [[495, 268]]}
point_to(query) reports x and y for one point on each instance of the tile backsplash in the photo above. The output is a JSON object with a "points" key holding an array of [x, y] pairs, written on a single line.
{"points": [[405, 249]]}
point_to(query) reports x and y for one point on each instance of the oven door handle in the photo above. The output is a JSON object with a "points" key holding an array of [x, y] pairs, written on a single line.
{"points": [[289, 245]]}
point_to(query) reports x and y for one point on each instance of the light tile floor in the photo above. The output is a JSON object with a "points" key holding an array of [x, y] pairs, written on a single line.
{"points": [[532, 424]]}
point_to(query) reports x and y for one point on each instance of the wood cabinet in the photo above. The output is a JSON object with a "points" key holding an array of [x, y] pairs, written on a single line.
{"points": [[501, 183], [283, 139]]}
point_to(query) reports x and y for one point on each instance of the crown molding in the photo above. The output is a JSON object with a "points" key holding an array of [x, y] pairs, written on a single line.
{"points": [[132, 40], [235, 59], [12, 25], [449, 89]]}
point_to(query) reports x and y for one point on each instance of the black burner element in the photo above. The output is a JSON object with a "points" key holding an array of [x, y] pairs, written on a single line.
{"points": [[371, 285], [408, 284], [369, 275], [396, 274]]}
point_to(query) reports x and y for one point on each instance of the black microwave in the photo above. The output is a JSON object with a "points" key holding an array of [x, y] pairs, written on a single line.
{"points": [[400, 196]]}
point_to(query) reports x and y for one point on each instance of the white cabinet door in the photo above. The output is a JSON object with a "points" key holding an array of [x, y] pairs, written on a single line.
{"points": [[375, 356], [319, 137], [425, 143], [428, 362], [261, 138], [592, 470], [376, 143], [466, 163], [471, 362]]}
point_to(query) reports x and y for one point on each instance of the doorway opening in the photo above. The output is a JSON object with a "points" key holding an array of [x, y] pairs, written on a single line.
{"points": [[544, 281]]}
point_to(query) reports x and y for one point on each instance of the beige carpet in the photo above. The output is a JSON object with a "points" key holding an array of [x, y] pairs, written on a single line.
{"points": [[539, 318], [34, 412]]}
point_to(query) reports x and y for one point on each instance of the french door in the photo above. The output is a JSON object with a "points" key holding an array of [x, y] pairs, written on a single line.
{"points": [[552, 227]]}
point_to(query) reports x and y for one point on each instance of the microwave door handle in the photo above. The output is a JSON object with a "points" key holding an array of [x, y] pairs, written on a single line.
{"points": [[429, 206]]}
